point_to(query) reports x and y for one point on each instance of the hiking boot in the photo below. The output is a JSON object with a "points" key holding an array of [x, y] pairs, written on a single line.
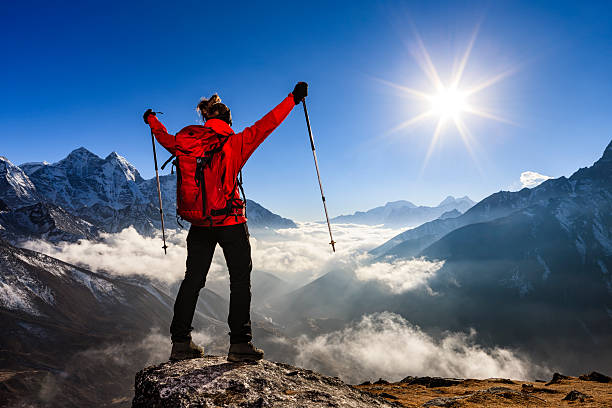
{"points": [[185, 350], [244, 352]]}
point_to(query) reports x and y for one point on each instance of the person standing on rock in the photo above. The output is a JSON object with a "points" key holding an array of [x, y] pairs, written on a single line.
{"points": [[208, 161]]}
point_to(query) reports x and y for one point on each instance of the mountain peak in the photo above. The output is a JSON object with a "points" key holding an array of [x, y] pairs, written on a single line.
{"points": [[448, 200], [16, 189], [399, 204], [126, 167], [6, 161], [607, 154], [81, 152]]}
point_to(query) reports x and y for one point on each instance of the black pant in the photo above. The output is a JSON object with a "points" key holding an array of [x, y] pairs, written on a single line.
{"points": [[201, 243]]}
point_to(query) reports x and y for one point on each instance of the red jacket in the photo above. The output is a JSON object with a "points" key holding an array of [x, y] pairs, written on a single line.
{"points": [[193, 141]]}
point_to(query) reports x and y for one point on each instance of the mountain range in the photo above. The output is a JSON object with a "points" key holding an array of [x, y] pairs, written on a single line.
{"points": [[72, 337], [528, 270], [83, 194], [564, 192], [404, 213]]}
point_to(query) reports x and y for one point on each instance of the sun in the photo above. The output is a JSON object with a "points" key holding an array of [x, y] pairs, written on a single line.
{"points": [[451, 101]]}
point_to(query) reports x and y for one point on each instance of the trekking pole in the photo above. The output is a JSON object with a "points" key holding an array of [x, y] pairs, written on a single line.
{"points": [[161, 211], [314, 155]]}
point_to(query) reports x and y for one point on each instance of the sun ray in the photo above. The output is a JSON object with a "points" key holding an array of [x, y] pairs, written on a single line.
{"points": [[412, 121], [468, 140], [466, 56], [434, 141], [482, 113], [410, 91], [490, 81], [425, 62], [449, 101]]}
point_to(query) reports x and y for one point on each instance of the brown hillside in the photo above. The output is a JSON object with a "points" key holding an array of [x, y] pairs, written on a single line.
{"points": [[593, 390]]}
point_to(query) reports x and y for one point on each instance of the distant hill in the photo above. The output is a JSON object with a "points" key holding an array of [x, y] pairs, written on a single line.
{"points": [[404, 213], [501, 204]]}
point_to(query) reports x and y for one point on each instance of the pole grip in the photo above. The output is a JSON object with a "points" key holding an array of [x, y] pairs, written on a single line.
{"points": [[312, 146]]}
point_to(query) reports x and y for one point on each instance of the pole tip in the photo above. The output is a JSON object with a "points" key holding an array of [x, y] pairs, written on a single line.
{"points": [[333, 244]]}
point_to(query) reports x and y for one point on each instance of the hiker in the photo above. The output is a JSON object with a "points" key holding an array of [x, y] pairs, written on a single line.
{"points": [[208, 161]]}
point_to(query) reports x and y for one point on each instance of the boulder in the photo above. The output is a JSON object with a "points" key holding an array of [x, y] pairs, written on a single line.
{"points": [[597, 377], [212, 381]]}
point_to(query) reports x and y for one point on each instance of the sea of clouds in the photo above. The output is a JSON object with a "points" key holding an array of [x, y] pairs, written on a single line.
{"points": [[296, 255], [385, 345], [379, 345]]}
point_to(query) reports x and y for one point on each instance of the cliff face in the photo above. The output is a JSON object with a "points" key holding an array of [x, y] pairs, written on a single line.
{"points": [[212, 381]]}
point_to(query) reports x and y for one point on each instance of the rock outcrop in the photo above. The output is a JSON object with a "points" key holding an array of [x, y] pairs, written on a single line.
{"points": [[212, 381]]}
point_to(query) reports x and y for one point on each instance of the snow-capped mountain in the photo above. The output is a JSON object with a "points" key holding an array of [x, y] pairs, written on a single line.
{"points": [[69, 328], [404, 213], [585, 182], [260, 217], [91, 193], [535, 277], [65, 328], [16, 188], [44, 221]]}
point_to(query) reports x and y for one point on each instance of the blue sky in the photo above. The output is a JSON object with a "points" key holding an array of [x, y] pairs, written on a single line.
{"points": [[81, 74]]}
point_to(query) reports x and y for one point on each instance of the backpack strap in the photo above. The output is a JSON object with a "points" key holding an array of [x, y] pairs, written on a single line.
{"points": [[203, 162], [168, 161], [239, 182]]}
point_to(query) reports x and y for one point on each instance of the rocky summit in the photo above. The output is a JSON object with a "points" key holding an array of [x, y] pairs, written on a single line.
{"points": [[212, 381]]}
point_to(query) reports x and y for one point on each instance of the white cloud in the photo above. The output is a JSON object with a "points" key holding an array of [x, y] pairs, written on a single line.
{"points": [[531, 179], [380, 345], [401, 275], [388, 346], [297, 255], [125, 253]]}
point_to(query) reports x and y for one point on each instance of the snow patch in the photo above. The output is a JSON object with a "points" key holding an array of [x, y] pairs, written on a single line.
{"points": [[602, 235], [39, 261], [14, 298], [153, 291], [518, 281], [581, 247], [102, 289], [531, 179], [602, 266], [562, 214], [546, 273]]}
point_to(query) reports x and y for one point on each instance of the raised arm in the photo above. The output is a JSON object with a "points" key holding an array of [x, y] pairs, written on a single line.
{"points": [[161, 134], [250, 138]]}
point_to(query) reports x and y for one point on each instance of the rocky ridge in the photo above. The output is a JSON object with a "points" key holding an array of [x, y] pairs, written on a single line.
{"points": [[212, 381]]}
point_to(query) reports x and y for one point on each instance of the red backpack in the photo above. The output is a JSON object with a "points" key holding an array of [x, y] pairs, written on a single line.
{"points": [[209, 159], [206, 194]]}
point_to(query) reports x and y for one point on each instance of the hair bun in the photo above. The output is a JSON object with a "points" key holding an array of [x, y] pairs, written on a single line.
{"points": [[205, 104]]}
